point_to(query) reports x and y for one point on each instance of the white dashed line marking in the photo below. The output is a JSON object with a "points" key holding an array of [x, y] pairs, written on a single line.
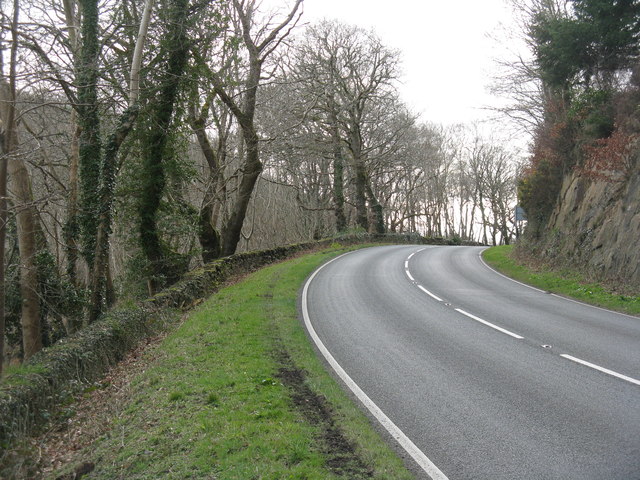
{"points": [[489, 324], [515, 335], [435, 297], [601, 369]]}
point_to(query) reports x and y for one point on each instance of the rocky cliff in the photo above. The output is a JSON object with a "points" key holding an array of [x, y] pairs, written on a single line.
{"points": [[595, 227]]}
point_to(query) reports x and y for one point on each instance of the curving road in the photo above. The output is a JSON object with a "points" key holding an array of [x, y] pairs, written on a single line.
{"points": [[477, 376]]}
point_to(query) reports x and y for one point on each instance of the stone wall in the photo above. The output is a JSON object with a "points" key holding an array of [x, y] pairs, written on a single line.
{"points": [[53, 376]]}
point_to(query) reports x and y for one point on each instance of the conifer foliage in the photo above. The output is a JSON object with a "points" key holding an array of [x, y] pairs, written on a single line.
{"points": [[587, 57]]}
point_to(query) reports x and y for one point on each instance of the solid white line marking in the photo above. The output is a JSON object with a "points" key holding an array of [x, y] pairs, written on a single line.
{"points": [[592, 306], [435, 297], [602, 369], [508, 278], [409, 275], [488, 324], [554, 294], [418, 456]]}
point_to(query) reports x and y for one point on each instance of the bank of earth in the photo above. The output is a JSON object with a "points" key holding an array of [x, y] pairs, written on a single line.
{"points": [[235, 392]]}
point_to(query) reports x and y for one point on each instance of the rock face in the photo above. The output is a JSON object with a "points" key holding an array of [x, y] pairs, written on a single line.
{"points": [[596, 227]]}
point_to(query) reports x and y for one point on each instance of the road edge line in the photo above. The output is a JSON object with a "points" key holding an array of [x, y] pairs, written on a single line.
{"points": [[505, 276], [562, 297], [405, 442]]}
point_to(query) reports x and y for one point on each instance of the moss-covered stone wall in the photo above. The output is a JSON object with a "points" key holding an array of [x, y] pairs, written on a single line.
{"points": [[53, 376]]}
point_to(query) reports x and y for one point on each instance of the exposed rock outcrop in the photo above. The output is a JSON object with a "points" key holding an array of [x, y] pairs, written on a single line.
{"points": [[596, 227]]}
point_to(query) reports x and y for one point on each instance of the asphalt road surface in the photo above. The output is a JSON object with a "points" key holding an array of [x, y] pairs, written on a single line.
{"points": [[477, 376]]}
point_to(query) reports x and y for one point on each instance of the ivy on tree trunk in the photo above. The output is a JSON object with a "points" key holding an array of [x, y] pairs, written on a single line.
{"points": [[154, 140], [90, 145], [338, 174]]}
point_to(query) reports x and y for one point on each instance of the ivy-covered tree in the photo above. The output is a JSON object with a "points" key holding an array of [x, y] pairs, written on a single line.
{"points": [[90, 141], [174, 55], [98, 162]]}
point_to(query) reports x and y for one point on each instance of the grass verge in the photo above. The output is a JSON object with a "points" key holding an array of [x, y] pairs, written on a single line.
{"points": [[237, 392], [566, 283]]}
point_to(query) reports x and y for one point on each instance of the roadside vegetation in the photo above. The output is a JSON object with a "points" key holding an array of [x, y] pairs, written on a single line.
{"points": [[143, 139], [237, 392], [562, 282]]}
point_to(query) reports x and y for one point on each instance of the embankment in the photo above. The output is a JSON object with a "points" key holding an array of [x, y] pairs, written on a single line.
{"points": [[595, 229], [55, 375]]}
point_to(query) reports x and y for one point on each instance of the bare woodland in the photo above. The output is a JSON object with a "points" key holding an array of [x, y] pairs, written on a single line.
{"points": [[142, 138]]}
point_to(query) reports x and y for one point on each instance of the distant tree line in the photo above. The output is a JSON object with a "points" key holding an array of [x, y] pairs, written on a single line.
{"points": [[140, 138]]}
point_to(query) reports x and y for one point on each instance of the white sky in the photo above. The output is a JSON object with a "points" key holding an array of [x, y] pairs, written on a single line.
{"points": [[447, 54]]}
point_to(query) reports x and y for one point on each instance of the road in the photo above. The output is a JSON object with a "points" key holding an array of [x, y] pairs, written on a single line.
{"points": [[475, 375]]}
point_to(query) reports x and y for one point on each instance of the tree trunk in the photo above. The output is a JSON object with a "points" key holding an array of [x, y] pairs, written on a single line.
{"points": [[155, 140], [101, 284], [27, 227], [3, 234], [90, 145], [7, 145], [70, 229], [376, 208], [362, 217], [208, 236], [25, 214], [483, 218], [70, 233], [136, 62], [338, 193], [105, 196], [338, 176], [360, 174], [253, 167]]}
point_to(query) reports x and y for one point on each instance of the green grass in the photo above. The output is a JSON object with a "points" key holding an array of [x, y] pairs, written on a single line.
{"points": [[568, 284], [13, 371], [215, 403]]}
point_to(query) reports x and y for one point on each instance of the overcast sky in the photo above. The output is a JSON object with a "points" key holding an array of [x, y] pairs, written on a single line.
{"points": [[446, 48]]}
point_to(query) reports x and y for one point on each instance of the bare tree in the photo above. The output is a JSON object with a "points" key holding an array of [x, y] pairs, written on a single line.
{"points": [[346, 75], [7, 132], [519, 78], [71, 226], [23, 197], [207, 114], [258, 48], [492, 172]]}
